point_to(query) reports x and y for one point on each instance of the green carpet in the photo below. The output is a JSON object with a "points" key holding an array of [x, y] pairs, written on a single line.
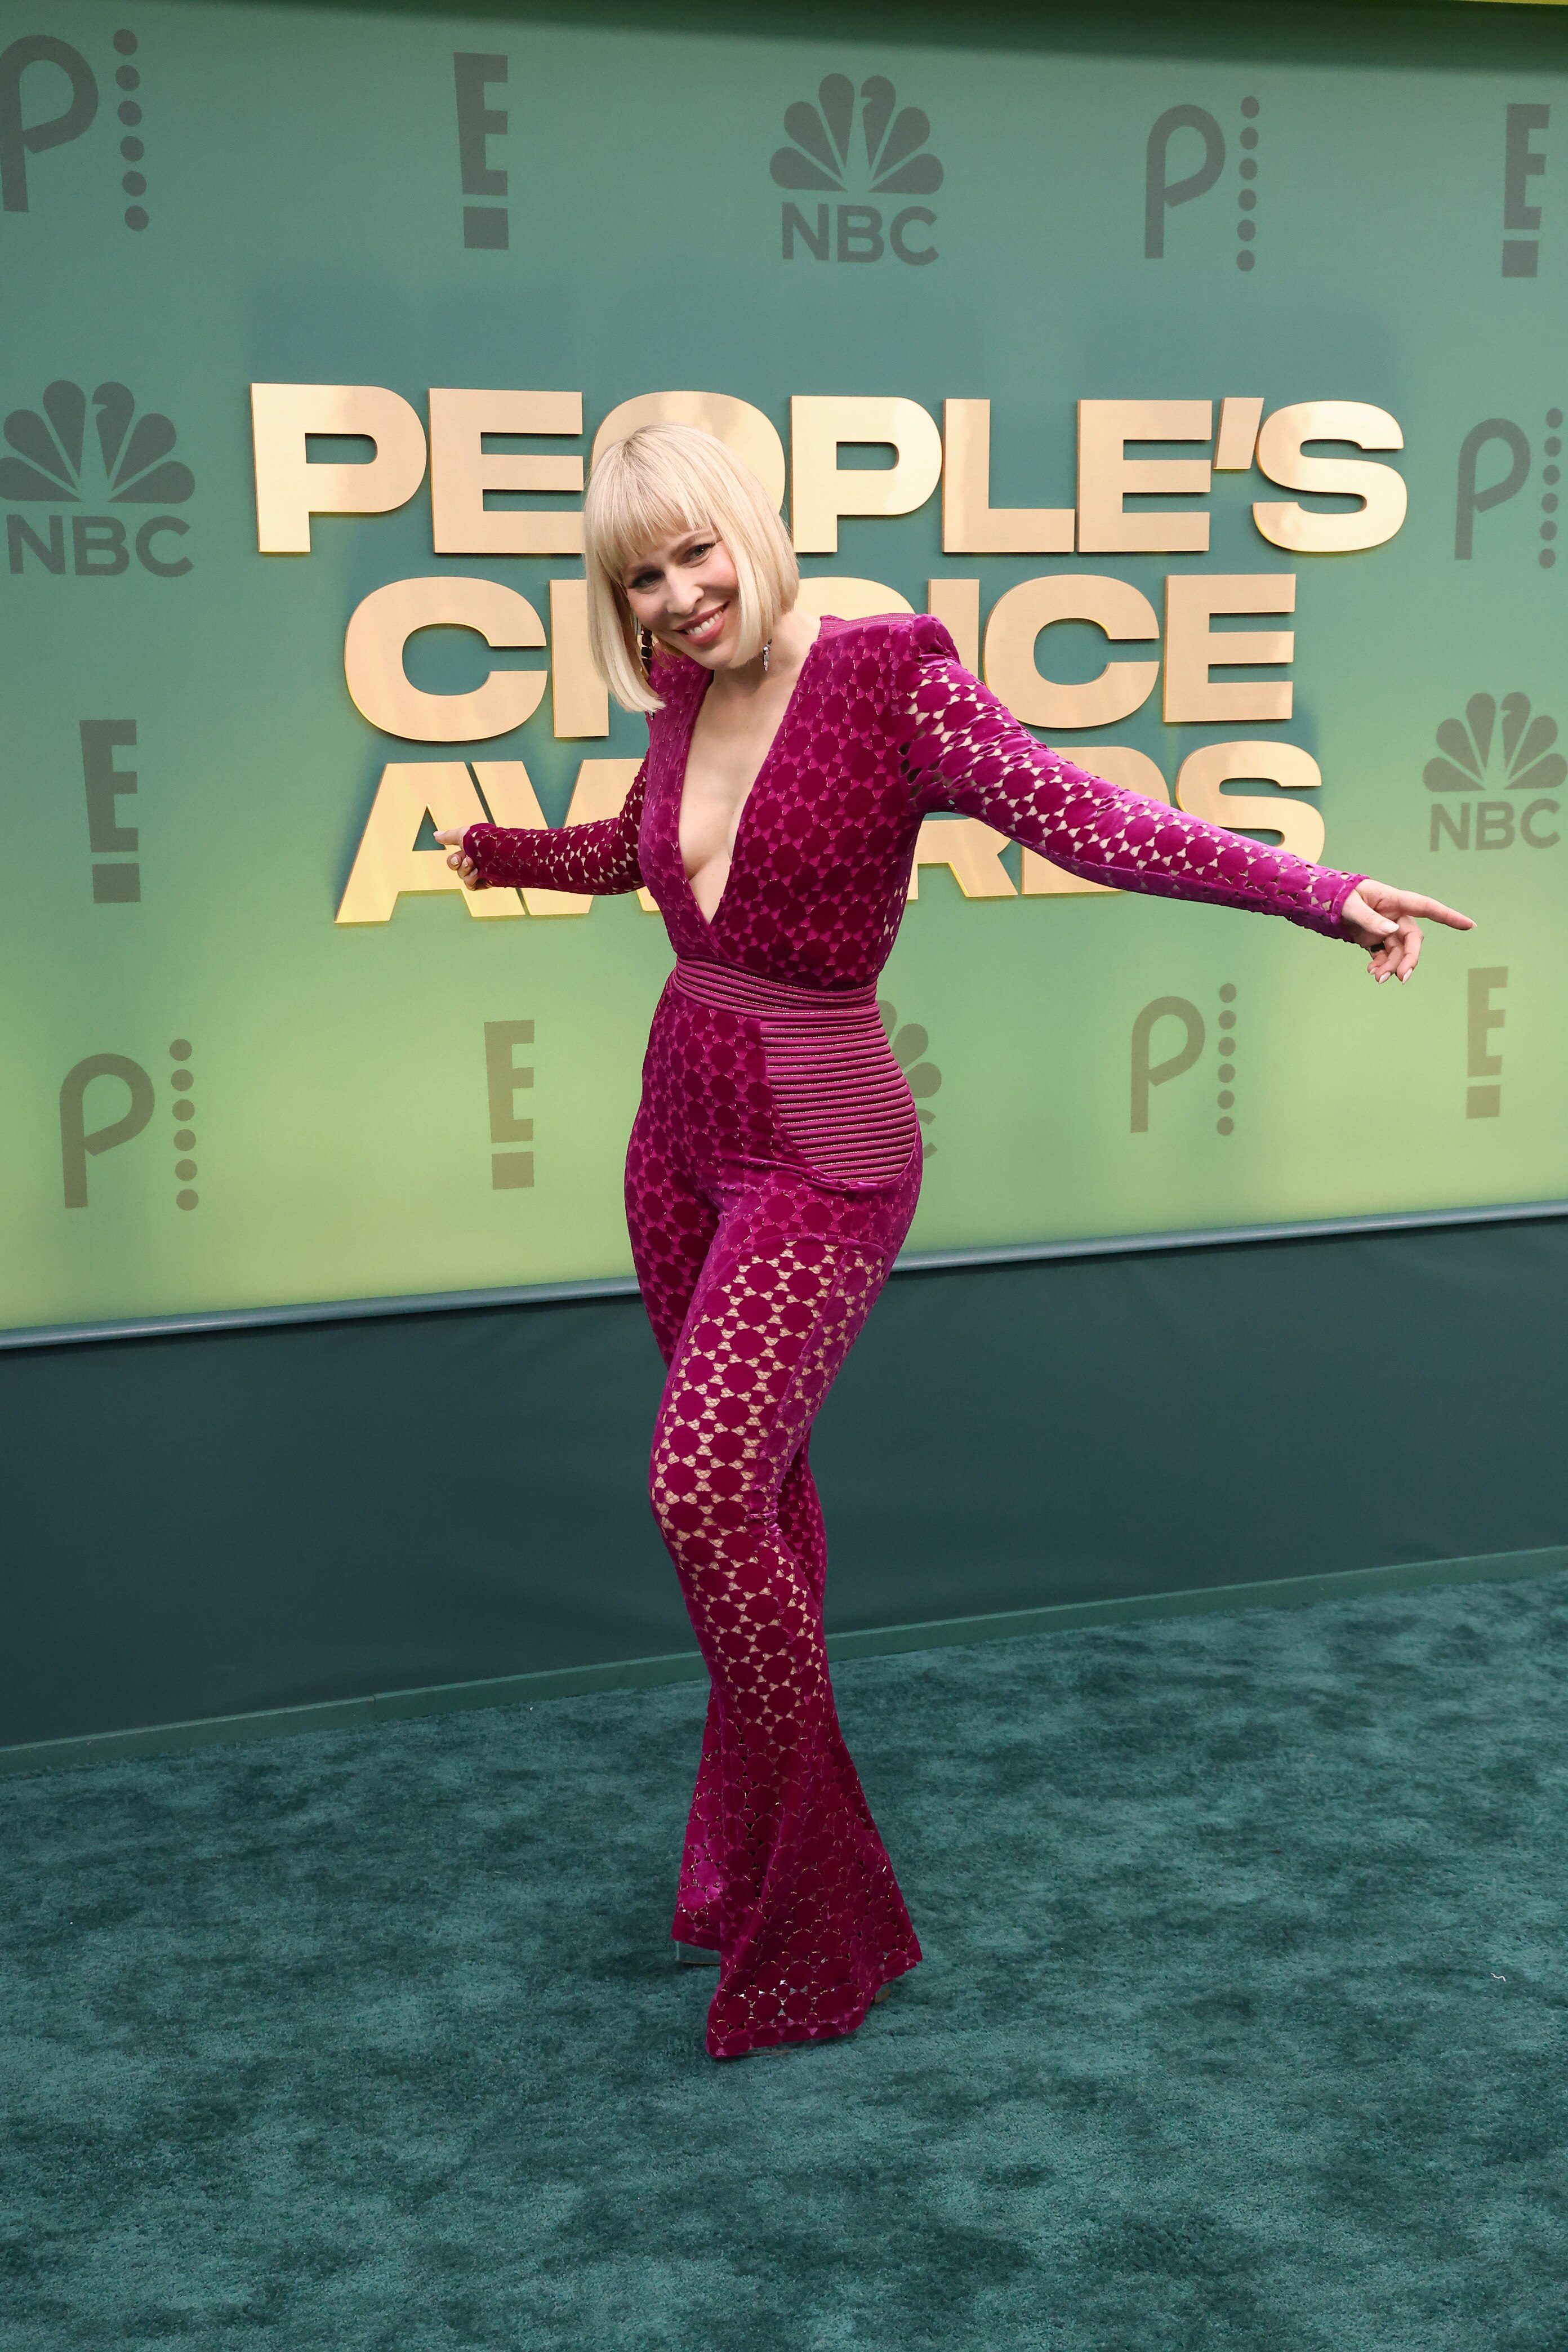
{"points": [[1242, 2023]]}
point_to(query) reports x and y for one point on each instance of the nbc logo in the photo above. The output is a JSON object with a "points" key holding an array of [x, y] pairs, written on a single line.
{"points": [[825, 154], [126, 462], [1517, 756]]}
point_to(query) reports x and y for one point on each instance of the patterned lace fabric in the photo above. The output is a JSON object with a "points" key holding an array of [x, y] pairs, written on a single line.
{"points": [[760, 1245], [886, 726], [601, 857], [757, 1275]]}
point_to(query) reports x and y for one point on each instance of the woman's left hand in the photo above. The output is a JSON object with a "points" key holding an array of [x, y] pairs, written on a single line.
{"points": [[1389, 922]]}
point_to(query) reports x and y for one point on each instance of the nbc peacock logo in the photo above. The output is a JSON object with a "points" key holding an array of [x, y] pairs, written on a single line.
{"points": [[1479, 758], [889, 158], [124, 461], [911, 1045]]}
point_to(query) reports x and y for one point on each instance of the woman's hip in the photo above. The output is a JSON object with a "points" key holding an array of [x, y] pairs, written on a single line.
{"points": [[747, 1073]]}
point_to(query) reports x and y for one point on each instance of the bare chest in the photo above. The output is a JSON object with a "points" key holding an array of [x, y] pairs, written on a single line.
{"points": [[729, 742]]}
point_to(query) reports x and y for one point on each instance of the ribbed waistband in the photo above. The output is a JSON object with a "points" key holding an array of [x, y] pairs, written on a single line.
{"points": [[840, 1094], [774, 1000]]}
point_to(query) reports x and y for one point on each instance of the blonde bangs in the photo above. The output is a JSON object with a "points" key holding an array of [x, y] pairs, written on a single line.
{"points": [[661, 482], [638, 505]]}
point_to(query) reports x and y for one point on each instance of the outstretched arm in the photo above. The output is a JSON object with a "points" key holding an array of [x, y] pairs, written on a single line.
{"points": [[968, 754], [599, 858]]}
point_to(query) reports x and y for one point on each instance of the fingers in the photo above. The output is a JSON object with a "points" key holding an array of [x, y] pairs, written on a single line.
{"points": [[1397, 956], [1390, 901], [1430, 911], [461, 864], [1433, 911], [1376, 907]]}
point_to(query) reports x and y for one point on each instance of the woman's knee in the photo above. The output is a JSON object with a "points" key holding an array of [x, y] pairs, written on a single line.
{"points": [[709, 1492]]}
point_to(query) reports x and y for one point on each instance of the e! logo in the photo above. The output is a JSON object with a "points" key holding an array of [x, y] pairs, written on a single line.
{"points": [[510, 1171], [116, 884], [1482, 1017], [1522, 163], [484, 225]]}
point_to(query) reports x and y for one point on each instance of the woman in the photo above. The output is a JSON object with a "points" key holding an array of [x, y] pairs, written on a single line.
{"points": [[776, 1160]]}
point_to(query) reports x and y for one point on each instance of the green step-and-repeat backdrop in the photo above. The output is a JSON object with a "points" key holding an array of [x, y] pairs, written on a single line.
{"points": [[1219, 407]]}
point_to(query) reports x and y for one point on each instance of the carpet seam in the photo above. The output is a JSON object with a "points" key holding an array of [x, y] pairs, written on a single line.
{"points": [[97, 1748]]}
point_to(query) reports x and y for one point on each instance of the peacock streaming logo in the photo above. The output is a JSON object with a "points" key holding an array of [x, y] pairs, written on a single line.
{"points": [[115, 1083], [1495, 460], [884, 154], [1183, 158], [124, 462], [1153, 1066], [50, 98]]}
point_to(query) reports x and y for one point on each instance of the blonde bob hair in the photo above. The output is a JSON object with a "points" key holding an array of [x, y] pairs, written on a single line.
{"points": [[659, 482]]}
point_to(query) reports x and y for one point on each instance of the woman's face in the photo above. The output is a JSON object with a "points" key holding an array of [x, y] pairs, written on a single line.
{"points": [[686, 591]]}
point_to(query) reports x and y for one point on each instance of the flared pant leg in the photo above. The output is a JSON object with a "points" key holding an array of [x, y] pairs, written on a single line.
{"points": [[757, 1289]]}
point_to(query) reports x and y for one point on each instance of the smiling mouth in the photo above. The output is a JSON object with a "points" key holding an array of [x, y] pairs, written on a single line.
{"points": [[705, 628]]}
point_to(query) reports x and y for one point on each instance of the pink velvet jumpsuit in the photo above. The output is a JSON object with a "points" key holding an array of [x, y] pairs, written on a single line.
{"points": [[772, 1175]]}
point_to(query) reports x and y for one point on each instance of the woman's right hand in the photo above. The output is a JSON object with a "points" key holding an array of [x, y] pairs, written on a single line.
{"points": [[461, 864]]}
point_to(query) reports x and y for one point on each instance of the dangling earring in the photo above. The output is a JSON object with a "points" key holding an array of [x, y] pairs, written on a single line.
{"points": [[647, 648], [767, 651]]}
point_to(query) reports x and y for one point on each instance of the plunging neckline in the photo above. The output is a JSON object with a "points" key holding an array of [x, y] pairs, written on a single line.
{"points": [[709, 922]]}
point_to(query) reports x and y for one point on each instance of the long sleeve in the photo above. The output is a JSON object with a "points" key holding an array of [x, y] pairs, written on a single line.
{"points": [[601, 858], [970, 755]]}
